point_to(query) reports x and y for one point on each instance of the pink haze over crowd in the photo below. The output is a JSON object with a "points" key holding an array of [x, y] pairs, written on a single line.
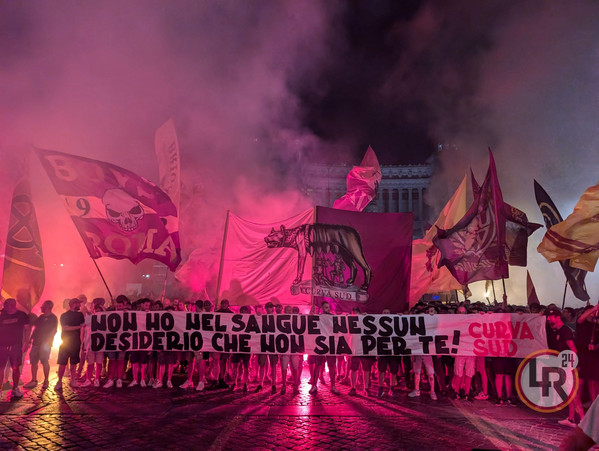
{"points": [[97, 79]]}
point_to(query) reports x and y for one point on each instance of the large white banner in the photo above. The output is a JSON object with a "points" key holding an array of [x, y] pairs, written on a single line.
{"points": [[494, 335]]}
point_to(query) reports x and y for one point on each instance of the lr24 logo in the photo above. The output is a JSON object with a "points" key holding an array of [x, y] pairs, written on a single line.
{"points": [[547, 380]]}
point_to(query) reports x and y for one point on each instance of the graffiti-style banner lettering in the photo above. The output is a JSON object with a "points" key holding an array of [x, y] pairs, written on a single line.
{"points": [[498, 334]]}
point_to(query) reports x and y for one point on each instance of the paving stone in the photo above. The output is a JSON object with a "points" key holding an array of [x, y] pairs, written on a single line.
{"points": [[93, 418]]}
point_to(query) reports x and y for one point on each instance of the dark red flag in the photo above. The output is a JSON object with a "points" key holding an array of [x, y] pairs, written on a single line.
{"points": [[23, 276], [475, 248], [117, 213], [517, 231], [362, 260]]}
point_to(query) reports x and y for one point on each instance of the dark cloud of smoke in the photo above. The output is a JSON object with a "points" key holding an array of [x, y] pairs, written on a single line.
{"points": [[256, 88], [518, 77], [97, 79]]}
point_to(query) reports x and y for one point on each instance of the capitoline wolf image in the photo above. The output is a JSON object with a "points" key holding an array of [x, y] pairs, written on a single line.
{"points": [[333, 248]]}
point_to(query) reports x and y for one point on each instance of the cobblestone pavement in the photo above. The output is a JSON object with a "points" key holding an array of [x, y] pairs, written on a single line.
{"points": [[142, 418]]}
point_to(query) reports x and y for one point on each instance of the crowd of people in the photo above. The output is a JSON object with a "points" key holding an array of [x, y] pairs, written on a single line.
{"points": [[456, 377]]}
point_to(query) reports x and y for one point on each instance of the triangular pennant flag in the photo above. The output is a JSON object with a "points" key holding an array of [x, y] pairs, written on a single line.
{"points": [[531, 293]]}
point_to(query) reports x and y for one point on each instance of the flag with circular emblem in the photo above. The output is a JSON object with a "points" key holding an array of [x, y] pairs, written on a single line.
{"points": [[23, 276]]}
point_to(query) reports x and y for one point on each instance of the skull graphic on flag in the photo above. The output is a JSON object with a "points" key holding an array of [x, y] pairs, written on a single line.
{"points": [[117, 213]]}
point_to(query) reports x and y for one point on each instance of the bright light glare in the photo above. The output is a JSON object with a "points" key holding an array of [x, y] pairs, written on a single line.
{"points": [[57, 340]]}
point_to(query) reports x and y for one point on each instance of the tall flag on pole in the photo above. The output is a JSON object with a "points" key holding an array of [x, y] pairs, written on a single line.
{"points": [[426, 277], [362, 183], [23, 276], [531, 293], [551, 216], [475, 248], [517, 229], [117, 213], [577, 237], [169, 163]]}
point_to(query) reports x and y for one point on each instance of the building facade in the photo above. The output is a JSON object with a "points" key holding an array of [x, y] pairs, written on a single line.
{"points": [[402, 189]]}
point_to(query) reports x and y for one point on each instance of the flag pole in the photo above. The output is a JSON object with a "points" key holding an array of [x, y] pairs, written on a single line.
{"points": [[103, 279], [504, 293], [222, 260], [164, 287], [314, 219], [494, 296], [564, 296]]}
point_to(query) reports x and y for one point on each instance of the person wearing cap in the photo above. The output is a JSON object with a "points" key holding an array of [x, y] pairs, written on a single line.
{"points": [[560, 338], [72, 324], [14, 331]]}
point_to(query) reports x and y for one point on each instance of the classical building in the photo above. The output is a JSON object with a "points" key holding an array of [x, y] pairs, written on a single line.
{"points": [[402, 189]]}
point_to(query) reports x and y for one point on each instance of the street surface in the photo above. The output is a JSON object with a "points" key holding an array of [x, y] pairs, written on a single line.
{"points": [[142, 418]]}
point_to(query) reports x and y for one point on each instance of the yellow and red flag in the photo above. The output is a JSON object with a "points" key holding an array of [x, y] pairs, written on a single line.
{"points": [[577, 237], [426, 277]]}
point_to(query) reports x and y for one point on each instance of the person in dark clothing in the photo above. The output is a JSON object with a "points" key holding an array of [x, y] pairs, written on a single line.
{"points": [[223, 356], [72, 322], [14, 327], [44, 329], [560, 338]]}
